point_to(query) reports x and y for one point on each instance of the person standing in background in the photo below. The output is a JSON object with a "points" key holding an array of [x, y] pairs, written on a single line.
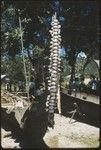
{"points": [[32, 87]]}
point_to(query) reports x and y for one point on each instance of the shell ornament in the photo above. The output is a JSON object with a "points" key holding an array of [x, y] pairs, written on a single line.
{"points": [[54, 70]]}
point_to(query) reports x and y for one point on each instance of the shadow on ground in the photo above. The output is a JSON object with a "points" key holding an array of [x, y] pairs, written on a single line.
{"points": [[34, 120], [9, 123], [91, 110], [34, 126]]}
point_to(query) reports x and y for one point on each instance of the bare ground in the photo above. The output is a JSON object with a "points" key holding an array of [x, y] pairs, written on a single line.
{"points": [[64, 134], [74, 135]]}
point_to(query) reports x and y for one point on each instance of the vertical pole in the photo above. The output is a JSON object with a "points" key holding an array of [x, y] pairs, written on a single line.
{"points": [[29, 75], [59, 100], [22, 47]]}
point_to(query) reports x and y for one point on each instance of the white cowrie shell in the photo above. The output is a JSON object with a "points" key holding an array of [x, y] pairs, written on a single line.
{"points": [[55, 27], [55, 37], [53, 71], [55, 44], [55, 33], [56, 23], [55, 51], [54, 79], [52, 102], [49, 81], [59, 26], [48, 88], [55, 60], [55, 64], [55, 40], [53, 75], [53, 83], [53, 91], [55, 47], [55, 55], [54, 68], [51, 42], [50, 31], [51, 108], [55, 20]]}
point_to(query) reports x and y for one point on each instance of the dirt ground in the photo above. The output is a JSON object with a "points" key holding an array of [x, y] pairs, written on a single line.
{"points": [[71, 135], [7, 141], [64, 134]]}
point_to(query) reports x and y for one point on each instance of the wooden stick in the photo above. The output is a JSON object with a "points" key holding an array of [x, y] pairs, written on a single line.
{"points": [[59, 100]]}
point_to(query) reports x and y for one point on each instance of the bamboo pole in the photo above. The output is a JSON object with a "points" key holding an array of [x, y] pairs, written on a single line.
{"points": [[59, 100], [24, 65]]}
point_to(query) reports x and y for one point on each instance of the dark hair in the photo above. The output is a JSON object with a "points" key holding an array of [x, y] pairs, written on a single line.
{"points": [[93, 77], [76, 79]]}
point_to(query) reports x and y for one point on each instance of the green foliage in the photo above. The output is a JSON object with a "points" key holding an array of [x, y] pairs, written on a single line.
{"points": [[66, 69], [80, 31], [38, 52], [77, 30], [13, 68], [79, 65]]}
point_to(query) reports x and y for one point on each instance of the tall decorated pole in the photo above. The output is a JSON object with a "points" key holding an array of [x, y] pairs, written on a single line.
{"points": [[54, 70]]}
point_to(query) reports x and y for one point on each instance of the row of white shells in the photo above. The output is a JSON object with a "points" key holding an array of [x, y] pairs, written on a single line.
{"points": [[54, 67]]}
